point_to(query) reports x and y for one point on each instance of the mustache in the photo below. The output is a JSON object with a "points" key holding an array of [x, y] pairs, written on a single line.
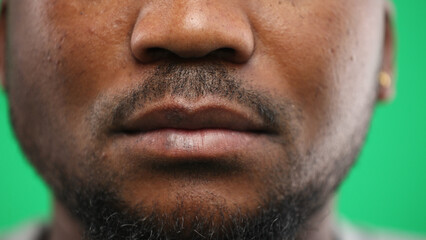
{"points": [[190, 82]]}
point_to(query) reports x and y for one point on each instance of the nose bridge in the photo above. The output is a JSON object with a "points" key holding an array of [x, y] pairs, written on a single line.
{"points": [[192, 29]]}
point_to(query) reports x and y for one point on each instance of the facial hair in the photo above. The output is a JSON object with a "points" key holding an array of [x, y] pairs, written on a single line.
{"points": [[279, 216]]}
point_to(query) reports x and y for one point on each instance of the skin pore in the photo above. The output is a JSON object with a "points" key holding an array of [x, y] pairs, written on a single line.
{"points": [[193, 119]]}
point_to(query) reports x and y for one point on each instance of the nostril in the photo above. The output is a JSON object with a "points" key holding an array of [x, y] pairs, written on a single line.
{"points": [[223, 53], [156, 53]]}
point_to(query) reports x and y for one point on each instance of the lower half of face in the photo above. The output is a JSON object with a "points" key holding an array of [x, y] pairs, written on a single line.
{"points": [[206, 143], [216, 180]]}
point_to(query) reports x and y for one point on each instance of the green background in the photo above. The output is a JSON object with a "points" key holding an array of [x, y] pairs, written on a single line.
{"points": [[387, 187]]}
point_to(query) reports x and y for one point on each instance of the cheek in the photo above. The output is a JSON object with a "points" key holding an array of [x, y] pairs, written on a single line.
{"points": [[57, 64], [326, 59], [82, 47]]}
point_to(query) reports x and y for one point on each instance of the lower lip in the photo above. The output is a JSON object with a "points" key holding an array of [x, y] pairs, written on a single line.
{"points": [[205, 143]]}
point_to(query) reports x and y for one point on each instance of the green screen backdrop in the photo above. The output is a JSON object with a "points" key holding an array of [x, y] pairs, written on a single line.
{"points": [[387, 187]]}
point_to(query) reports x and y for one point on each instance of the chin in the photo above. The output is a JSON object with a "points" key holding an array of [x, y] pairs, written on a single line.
{"points": [[196, 215]]}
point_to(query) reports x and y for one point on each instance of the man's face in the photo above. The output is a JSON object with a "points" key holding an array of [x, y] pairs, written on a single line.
{"points": [[174, 113]]}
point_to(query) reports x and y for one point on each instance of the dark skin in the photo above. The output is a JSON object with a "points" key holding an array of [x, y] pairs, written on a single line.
{"points": [[299, 80]]}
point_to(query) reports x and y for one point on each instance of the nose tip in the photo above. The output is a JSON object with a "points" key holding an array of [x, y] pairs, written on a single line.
{"points": [[192, 32]]}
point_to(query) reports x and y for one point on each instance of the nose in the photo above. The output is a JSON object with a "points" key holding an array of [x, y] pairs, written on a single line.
{"points": [[192, 29]]}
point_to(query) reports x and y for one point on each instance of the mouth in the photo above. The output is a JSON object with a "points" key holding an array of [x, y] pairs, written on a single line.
{"points": [[205, 114], [204, 129]]}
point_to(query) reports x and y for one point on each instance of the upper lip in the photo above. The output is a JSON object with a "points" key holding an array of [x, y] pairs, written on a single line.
{"points": [[201, 115]]}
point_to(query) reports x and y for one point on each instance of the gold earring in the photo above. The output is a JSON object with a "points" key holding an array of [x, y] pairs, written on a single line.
{"points": [[385, 80]]}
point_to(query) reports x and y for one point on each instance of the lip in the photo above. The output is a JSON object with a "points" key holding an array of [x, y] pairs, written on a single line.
{"points": [[208, 128], [206, 113]]}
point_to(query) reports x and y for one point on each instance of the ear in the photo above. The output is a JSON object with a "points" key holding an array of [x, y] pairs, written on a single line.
{"points": [[387, 76]]}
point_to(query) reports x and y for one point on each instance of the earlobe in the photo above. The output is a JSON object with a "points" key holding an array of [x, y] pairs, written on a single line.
{"points": [[386, 78], [3, 43]]}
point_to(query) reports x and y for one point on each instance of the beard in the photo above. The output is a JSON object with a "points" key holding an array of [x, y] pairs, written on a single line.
{"points": [[278, 217], [104, 217], [281, 213]]}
